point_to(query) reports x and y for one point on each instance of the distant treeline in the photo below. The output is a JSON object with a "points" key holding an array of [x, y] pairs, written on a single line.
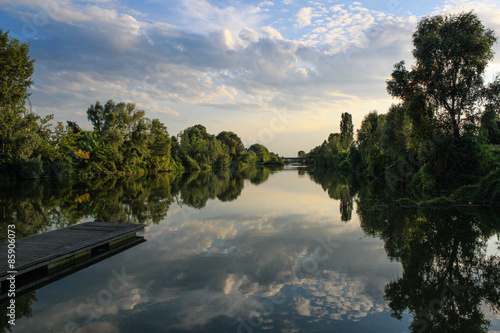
{"points": [[123, 139], [445, 134]]}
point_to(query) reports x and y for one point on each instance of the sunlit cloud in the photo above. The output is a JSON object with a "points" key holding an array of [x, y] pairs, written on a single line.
{"points": [[304, 17]]}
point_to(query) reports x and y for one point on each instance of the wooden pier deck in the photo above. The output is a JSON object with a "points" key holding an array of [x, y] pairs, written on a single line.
{"points": [[59, 250]]}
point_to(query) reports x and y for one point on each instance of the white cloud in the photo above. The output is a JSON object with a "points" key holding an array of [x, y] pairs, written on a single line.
{"points": [[272, 34], [304, 16], [344, 28], [201, 15], [249, 35], [166, 110], [266, 3]]}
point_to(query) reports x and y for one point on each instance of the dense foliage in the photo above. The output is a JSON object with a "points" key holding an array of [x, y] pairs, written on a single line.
{"points": [[443, 134], [123, 139]]}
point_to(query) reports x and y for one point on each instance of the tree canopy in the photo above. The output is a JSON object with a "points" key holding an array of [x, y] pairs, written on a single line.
{"points": [[16, 68], [439, 137], [22, 133], [346, 130], [445, 83]]}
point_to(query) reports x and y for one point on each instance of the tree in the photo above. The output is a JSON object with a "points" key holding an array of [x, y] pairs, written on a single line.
{"points": [[15, 72], [490, 126], [369, 136], [490, 120], [121, 116], [346, 131], [21, 132], [201, 150], [159, 146], [301, 154], [445, 83], [95, 114], [262, 153], [233, 142], [395, 134]]}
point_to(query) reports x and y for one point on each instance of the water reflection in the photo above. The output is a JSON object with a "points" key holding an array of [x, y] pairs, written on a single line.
{"points": [[448, 276], [38, 206], [338, 187], [265, 250]]}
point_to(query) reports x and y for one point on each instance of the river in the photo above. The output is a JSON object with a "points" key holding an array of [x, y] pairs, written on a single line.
{"points": [[261, 251]]}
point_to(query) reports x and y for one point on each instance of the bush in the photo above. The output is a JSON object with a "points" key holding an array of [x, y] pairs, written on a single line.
{"points": [[454, 162], [30, 169], [487, 191]]}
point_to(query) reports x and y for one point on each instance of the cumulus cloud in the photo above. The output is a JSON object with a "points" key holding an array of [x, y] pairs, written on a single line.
{"points": [[249, 35], [304, 16], [201, 15], [266, 3]]}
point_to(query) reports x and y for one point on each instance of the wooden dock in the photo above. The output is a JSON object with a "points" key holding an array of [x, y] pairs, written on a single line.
{"points": [[51, 255]]}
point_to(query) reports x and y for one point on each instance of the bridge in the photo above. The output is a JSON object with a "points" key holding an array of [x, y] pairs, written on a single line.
{"points": [[289, 160]]}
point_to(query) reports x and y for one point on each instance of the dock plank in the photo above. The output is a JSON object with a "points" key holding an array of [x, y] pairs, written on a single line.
{"points": [[34, 251]]}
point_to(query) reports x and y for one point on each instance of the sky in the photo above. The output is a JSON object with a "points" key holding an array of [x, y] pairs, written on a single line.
{"points": [[278, 72]]}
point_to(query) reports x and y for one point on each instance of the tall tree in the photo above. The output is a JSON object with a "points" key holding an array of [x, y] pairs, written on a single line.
{"points": [[95, 114], [261, 151], [159, 146], [490, 120], [346, 130], [201, 150], [21, 132], [121, 116], [16, 69], [445, 83], [233, 143], [369, 135]]}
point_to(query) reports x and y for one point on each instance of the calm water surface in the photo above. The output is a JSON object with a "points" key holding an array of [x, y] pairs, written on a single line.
{"points": [[262, 251]]}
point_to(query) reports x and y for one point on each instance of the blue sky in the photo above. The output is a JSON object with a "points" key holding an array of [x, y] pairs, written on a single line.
{"points": [[276, 72]]}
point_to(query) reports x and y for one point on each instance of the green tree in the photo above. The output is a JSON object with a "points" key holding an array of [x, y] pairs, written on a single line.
{"points": [[369, 143], [445, 83], [201, 150], [121, 116], [125, 138], [261, 151], [15, 72], [346, 131], [234, 144], [159, 146], [490, 126], [490, 120], [95, 114], [21, 132], [396, 131]]}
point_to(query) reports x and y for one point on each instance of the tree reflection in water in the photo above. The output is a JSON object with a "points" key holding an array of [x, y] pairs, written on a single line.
{"points": [[340, 188], [447, 277], [447, 273], [38, 206]]}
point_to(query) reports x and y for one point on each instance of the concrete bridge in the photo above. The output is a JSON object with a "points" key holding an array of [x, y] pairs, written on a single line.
{"points": [[289, 160]]}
